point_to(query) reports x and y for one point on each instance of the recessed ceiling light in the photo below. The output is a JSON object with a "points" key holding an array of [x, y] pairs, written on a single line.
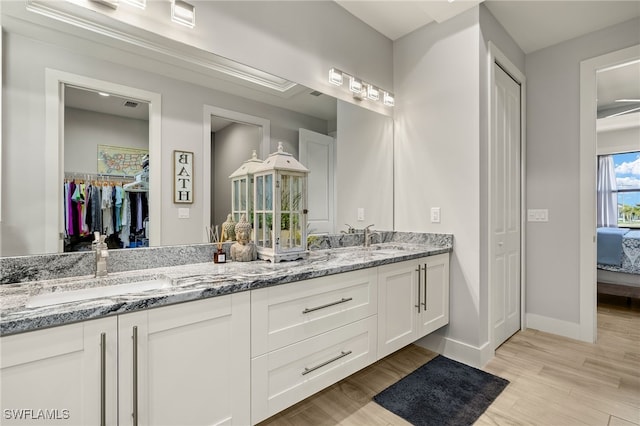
{"points": [[103, 94]]}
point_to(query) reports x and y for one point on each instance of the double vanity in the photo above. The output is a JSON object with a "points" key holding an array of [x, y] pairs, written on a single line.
{"points": [[229, 343]]}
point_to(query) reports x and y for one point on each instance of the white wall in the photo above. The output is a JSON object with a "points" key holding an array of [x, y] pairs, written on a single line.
{"points": [[364, 168], [440, 152], [437, 163], [85, 130], [553, 171]]}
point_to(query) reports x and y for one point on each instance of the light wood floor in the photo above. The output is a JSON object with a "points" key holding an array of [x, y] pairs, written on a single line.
{"points": [[554, 380]]}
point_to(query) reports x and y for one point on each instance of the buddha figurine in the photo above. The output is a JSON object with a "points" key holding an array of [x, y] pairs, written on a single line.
{"points": [[243, 250], [228, 229]]}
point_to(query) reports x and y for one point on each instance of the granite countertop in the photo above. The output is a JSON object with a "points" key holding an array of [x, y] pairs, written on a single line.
{"points": [[187, 283]]}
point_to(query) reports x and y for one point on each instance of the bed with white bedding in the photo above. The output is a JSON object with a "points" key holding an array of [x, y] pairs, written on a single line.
{"points": [[619, 261]]}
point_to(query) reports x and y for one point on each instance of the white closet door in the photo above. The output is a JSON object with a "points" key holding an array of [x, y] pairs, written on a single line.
{"points": [[505, 207]]}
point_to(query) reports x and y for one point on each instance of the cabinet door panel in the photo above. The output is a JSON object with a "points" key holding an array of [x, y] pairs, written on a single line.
{"points": [[193, 362], [436, 295], [53, 375], [397, 295]]}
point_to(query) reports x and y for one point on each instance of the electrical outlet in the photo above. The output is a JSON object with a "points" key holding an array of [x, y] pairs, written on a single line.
{"points": [[435, 214], [360, 214], [183, 213]]}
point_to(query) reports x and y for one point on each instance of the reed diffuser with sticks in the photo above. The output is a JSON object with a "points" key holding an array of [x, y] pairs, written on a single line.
{"points": [[219, 256]]}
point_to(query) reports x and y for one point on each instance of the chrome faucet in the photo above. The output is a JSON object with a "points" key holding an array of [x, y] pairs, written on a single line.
{"points": [[368, 234], [102, 252], [350, 229]]}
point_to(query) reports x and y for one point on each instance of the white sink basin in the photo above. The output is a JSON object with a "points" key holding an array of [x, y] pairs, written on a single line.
{"points": [[59, 297]]}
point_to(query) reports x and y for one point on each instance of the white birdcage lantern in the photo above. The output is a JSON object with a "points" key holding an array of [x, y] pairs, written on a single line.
{"points": [[242, 188], [280, 208]]}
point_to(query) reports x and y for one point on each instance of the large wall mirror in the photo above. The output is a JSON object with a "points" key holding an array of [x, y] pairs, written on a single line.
{"points": [[218, 118]]}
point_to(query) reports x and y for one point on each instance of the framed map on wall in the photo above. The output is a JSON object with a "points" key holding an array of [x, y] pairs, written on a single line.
{"points": [[120, 160]]}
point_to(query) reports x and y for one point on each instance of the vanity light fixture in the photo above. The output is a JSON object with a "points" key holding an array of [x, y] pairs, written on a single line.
{"points": [[362, 90], [335, 76], [388, 99], [183, 13], [142, 4], [372, 92], [355, 85]]}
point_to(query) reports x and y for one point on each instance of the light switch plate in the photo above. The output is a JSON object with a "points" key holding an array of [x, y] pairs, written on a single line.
{"points": [[538, 215], [360, 214], [435, 214], [183, 213]]}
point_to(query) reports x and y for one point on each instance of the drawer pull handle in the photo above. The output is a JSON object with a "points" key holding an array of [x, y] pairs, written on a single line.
{"points": [[342, 355], [103, 379], [134, 415], [317, 308], [426, 284], [419, 298]]}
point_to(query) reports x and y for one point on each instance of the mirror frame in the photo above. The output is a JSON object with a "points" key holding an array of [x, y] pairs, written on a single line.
{"points": [[54, 150]]}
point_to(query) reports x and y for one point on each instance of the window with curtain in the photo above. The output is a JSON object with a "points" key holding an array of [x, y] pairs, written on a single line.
{"points": [[627, 175]]}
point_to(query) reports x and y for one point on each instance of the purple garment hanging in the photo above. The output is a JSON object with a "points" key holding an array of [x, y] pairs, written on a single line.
{"points": [[71, 188]]}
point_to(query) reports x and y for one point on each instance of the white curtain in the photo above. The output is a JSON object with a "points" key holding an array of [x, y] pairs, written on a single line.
{"points": [[607, 195]]}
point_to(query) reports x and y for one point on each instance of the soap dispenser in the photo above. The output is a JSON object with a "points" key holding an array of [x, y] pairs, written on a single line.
{"points": [[102, 252]]}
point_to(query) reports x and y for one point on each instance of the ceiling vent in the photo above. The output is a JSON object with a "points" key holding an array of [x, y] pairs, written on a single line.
{"points": [[131, 104], [315, 93]]}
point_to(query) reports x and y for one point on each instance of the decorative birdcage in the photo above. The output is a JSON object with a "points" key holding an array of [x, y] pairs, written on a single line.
{"points": [[280, 208], [242, 188]]}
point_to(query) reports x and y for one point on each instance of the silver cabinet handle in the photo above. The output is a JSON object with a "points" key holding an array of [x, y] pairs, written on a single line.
{"points": [[419, 298], [317, 308], [342, 355], [103, 379], [135, 376], [425, 287]]}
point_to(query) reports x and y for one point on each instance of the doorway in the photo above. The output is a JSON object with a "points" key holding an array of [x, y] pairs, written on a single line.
{"points": [[506, 200], [55, 84], [588, 112], [217, 188], [318, 153]]}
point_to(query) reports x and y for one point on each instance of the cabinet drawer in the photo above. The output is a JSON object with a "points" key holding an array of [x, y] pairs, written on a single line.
{"points": [[281, 378], [289, 313]]}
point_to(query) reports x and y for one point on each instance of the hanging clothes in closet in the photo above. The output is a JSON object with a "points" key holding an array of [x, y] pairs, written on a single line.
{"points": [[103, 206]]}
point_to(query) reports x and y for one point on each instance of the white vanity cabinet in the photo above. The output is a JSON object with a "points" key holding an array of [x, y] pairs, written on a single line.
{"points": [[186, 364], [308, 335], [413, 301], [63, 375]]}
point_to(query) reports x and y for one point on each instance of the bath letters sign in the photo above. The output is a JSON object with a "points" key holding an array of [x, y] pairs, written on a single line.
{"points": [[182, 177]]}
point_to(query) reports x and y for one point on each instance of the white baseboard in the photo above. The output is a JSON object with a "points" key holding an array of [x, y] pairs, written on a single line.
{"points": [[457, 350], [553, 325]]}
